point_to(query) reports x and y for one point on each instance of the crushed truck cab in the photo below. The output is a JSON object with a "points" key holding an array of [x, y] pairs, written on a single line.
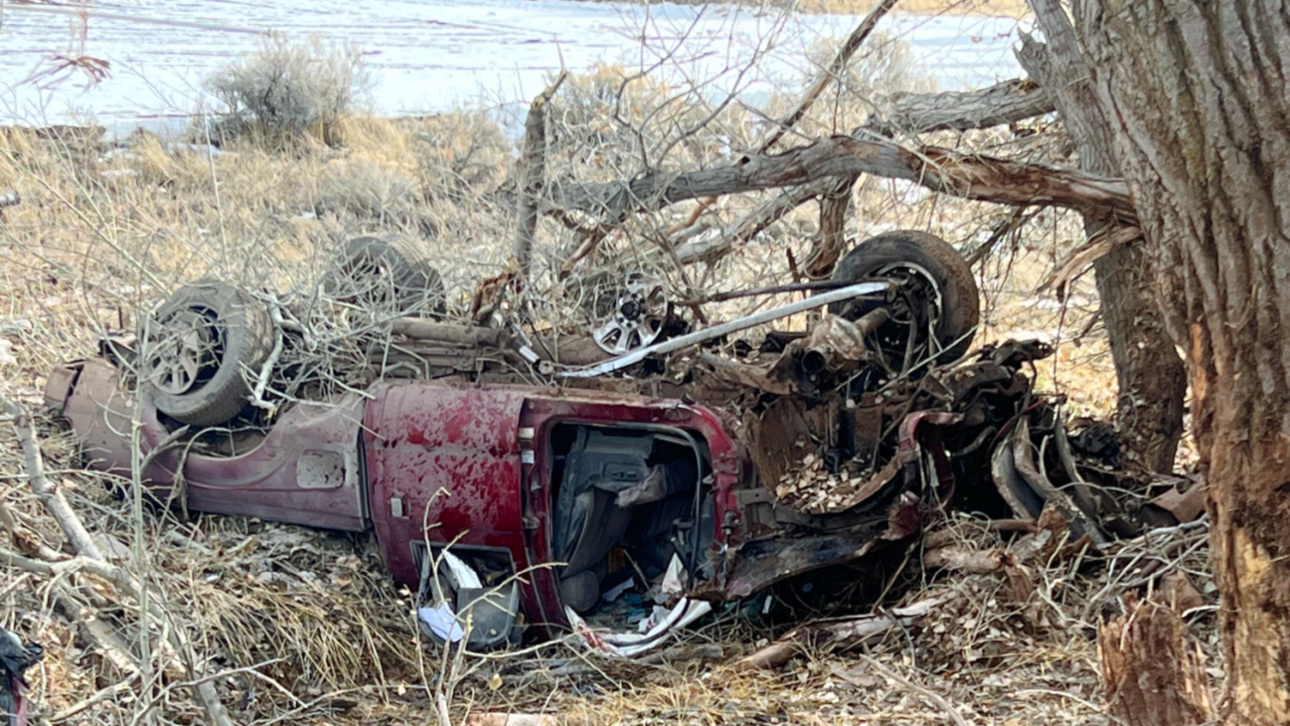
{"points": [[522, 490], [521, 482]]}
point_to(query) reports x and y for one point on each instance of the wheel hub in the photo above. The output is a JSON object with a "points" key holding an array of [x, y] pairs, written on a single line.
{"points": [[636, 319], [179, 349]]}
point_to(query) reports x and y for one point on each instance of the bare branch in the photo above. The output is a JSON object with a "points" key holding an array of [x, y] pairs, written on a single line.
{"points": [[831, 74], [1002, 103], [711, 247]]}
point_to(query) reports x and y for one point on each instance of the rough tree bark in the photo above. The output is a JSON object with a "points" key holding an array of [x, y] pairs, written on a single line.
{"points": [[1002, 103], [1152, 382], [1198, 93], [907, 113], [1152, 674], [971, 176], [532, 173]]}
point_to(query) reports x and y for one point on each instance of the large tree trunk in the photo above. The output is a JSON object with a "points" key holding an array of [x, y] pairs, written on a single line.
{"points": [[1198, 90], [1152, 382]]}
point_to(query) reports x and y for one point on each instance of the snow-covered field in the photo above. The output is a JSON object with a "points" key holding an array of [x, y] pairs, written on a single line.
{"points": [[431, 55]]}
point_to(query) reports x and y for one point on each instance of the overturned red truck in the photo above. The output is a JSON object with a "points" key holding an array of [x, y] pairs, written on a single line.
{"points": [[687, 467]]}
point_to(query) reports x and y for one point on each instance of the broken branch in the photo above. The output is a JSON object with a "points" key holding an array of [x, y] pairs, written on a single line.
{"points": [[48, 494], [711, 247], [1003, 103], [983, 178], [532, 172], [90, 557]]}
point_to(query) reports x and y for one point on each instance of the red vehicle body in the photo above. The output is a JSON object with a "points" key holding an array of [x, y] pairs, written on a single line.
{"points": [[509, 506], [470, 464]]}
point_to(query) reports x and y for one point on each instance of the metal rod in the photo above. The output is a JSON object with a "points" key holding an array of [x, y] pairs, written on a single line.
{"points": [[774, 290], [700, 336]]}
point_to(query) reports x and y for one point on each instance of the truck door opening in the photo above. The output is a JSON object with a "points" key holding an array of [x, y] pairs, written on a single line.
{"points": [[626, 500]]}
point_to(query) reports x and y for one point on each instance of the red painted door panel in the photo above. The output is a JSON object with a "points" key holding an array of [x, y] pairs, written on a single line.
{"points": [[443, 465]]}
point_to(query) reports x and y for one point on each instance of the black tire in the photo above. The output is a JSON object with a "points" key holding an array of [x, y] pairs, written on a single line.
{"points": [[390, 272], [235, 333], [932, 257]]}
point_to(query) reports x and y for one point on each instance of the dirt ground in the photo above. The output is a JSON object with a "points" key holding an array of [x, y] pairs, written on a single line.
{"points": [[305, 627]]}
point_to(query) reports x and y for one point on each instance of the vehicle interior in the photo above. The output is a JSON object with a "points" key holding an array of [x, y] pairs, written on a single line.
{"points": [[625, 500]]}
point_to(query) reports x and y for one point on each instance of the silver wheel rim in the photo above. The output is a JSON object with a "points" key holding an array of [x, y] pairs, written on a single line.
{"points": [[635, 321], [179, 347]]}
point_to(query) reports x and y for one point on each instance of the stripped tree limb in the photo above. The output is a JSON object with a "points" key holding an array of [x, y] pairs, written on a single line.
{"points": [[1003, 103], [532, 174], [983, 178]]}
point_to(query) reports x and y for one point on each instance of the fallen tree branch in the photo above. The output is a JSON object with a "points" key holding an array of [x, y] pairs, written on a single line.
{"points": [[110, 645], [1082, 257], [91, 558], [48, 494], [1003, 103], [983, 178], [100, 696], [711, 247]]}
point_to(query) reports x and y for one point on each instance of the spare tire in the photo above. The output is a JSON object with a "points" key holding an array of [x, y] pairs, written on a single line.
{"points": [[956, 298], [198, 349], [392, 273]]}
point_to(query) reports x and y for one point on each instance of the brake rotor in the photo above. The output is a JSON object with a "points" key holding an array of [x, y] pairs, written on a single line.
{"points": [[178, 349], [635, 320]]}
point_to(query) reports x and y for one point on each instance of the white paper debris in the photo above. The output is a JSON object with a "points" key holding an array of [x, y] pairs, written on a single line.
{"points": [[464, 574], [443, 622], [674, 578]]}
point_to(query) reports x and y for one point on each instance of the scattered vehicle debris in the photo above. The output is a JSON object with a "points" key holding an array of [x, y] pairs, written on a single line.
{"points": [[15, 659], [509, 503]]}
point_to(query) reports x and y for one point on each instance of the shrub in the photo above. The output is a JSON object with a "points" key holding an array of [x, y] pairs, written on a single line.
{"points": [[460, 153], [366, 191], [284, 90]]}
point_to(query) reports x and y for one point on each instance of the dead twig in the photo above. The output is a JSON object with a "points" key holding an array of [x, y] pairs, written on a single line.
{"points": [[926, 692]]}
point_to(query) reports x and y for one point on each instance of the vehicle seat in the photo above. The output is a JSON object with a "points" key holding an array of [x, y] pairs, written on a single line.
{"points": [[603, 526]]}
